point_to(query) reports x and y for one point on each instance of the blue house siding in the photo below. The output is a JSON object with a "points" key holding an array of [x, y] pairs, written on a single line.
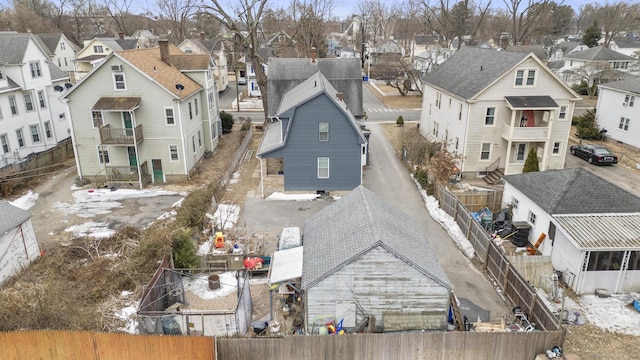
{"points": [[300, 156]]}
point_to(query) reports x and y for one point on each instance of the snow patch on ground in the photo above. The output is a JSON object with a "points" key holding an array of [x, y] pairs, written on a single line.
{"points": [[234, 178], [226, 216], [199, 285], [294, 197], [26, 201], [91, 229]]}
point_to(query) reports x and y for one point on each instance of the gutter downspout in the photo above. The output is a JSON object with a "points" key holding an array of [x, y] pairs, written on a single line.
{"points": [[184, 144], [65, 101]]}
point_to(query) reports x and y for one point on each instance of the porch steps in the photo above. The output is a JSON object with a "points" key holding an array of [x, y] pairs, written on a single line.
{"points": [[493, 177]]}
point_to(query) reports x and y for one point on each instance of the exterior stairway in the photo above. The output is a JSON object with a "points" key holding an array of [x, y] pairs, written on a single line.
{"points": [[493, 177]]}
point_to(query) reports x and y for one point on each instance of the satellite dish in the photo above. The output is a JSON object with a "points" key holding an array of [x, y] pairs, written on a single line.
{"points": [[58, 88], [68, 85], [180, 87]]}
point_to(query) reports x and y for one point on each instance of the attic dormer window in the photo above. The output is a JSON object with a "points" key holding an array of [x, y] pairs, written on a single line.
{"points": [[525, 77], [34, 66], [98, 49], [62, 45], [188, 50]]}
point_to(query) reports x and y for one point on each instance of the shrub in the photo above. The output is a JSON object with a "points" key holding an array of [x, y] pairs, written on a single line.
{"points": [[246, 125], [227, 122], [184, 250], [531, 164], [586, 127], [400, 121]]}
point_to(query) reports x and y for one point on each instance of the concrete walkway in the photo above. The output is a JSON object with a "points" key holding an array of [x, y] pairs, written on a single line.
{"points": [[390, 180]]}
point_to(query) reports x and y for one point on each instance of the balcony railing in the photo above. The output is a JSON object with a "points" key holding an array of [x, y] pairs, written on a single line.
{"points": [[128, 174], [118, 136], [525, 133]]}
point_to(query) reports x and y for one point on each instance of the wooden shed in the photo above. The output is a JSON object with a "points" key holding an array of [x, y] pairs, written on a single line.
{"points": [[18, 244], [367, 260]]}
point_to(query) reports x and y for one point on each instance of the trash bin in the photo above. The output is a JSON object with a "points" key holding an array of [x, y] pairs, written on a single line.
{"points": [[365, 78], [214, 282]]}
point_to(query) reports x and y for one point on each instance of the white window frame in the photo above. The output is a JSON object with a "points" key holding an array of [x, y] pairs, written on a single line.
{"points": [[98, 49], [321, 168], [532, 217], [103, 154], [557, 146], [28, 102], [450, 101], [168, 117], [116, 82], [13, 105], [34, 131], [435, 128], [629, 100], [210, 96], [323, 129], [34, 67], [195, 105], [522, 77], [4, 143], [624, 123], [97, 116], [483, 151], [174, 149], [514, 203], [42, 99], [47, 130], [199, 139], [190, 110], [562, 115], [193, 143], [438, 100], [20, 136], [488, 116]]}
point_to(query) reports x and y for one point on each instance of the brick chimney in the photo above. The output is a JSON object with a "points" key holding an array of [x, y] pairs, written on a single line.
{"points": [[202, 37], [164, 50], [313, 55], [121, 35], [340, 96]]}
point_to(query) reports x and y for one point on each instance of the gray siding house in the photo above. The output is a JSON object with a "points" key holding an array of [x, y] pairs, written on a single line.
{"points": [[343, 74], [371, 263], [321, 145]]}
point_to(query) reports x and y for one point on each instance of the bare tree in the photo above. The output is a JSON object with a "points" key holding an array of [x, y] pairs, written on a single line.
{"points": [[309, 18], [616, 17], [118, 10], [454, 20], [379, 18], [243, 20], [525, 14], [178, 13]]}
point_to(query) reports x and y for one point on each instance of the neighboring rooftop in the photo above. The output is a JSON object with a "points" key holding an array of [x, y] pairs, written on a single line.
{"points": [[574, 191], [599, 53], [632, 85], [12, 217]]}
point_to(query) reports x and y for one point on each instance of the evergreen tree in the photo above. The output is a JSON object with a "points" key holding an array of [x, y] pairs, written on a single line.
{"points": [[184, 250], [592, 35], [531, 164]]}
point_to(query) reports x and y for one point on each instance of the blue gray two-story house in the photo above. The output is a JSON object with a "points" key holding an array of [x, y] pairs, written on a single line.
{"points": [[317, 140]]}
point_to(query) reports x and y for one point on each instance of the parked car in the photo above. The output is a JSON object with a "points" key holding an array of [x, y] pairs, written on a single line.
{"points": [[242, 81], [597, 154]]}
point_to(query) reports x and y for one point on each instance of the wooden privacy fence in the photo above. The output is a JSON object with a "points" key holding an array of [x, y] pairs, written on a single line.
{"points": [[77, 345], [41, 162], [516, 288], [458, 345]]}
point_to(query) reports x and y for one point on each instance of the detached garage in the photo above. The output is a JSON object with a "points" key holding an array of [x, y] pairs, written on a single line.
{"points": [[18, 244], [365, 259]]}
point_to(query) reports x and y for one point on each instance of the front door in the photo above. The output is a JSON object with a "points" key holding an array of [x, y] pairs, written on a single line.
{"points": [[158, 176], [133, 160], [128, 124]]}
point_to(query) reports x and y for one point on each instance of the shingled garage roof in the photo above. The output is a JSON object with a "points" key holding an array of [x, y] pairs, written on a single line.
{"points": [[602, 232], [573, 191], [12, 217], [358, 222], [530, 102], [120, 103]]}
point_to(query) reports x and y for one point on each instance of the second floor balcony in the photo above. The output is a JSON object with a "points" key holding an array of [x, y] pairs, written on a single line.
{"points": [[516, 133], [121, 136]]}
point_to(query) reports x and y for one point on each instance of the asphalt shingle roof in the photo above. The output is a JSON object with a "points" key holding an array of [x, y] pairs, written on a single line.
{"points": [[599, 53], [13, 47], [632, 85], [57, 73], [11, 217], [50, 41], [470, 70], [531, 101], [574, 191], [356, 223]]}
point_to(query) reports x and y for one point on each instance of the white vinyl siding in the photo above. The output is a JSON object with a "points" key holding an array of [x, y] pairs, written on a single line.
{"points": [[323, 168]]}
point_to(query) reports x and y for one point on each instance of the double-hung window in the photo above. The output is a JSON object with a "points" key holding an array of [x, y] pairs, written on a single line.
{"points": [[96, 117], [525, 77], [173, 152], [490, 116], [41, 99], [34, 66], [485, 152], [119, 83], [4, 142], [103, 155], [323, 168], [13, 105], [35, 133], [323, 130], [28, 102], [168, 116], [20, 137], [563, 113], [624, 123]]}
